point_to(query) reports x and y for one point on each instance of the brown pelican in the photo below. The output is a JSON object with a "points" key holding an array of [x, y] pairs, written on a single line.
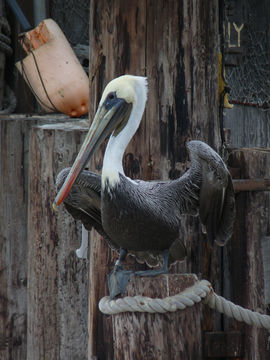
{"points": [[137, 216]]}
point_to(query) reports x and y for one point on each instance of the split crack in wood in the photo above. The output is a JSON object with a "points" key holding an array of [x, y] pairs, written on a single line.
{"points": [[201, 290]]}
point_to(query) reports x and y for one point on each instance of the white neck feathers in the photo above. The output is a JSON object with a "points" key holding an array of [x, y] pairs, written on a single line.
{"points": [[112, 163]]}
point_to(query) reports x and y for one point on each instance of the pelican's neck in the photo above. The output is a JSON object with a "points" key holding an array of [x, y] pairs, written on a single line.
{"points": [[113, 158]]}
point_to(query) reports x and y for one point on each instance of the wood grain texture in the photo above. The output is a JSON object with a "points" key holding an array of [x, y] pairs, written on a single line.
{"points": [[117, 42], [221, 344], [14, 166], [158, 336], [13, 238], [57, 279], [243, 258], [265, 243], [251, 185], [100, 339], [174, 44], [250, 126]]}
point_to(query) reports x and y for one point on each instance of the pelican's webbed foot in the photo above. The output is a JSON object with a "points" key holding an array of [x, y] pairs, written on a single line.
{"points": [[162, 270], [119, 278]]}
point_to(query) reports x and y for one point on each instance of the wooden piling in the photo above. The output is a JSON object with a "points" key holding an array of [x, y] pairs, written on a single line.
{"points": [[243, 258], [14, 152], [14, 165], [158, 336], [174, 44], [57, 279]]}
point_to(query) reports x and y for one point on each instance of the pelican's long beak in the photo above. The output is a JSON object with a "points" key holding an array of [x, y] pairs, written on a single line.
{"points": [[108, 117]]}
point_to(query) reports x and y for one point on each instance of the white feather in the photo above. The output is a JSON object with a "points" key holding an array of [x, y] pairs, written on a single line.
{"points": [[132, 89]]}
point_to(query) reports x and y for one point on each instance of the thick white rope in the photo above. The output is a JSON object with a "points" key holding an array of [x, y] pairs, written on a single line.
{"points": [[189, 297]]}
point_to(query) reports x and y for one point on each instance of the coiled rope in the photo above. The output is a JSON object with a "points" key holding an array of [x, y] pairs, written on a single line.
{"points": [[201, 290]]}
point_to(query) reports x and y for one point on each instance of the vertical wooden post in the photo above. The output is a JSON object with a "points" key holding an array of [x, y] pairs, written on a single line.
{"points": [[174, 44], [14, 166], [117, 43], [100, 340], [57, 279], [14, 147], [159, 336], [243, 282]]}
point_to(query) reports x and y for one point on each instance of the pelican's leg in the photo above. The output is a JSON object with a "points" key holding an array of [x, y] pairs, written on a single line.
{"points": [[82, 251], [162, 270], [118, 278]]}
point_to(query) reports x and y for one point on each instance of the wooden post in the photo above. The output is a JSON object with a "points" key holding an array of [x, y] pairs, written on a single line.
{"points": [[174, 44], [100, 327], [14, 165], [243, 259], [57, 279], [158, 336], [13, 236]]}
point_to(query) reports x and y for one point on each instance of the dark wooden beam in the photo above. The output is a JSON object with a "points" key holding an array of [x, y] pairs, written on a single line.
{"points": [[251, 185]]}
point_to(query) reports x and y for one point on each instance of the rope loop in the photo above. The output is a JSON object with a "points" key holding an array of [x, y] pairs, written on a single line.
{"points": [[201, 290]]}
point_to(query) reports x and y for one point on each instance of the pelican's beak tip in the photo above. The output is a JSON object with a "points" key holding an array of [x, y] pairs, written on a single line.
{"points": [[54, 206]]}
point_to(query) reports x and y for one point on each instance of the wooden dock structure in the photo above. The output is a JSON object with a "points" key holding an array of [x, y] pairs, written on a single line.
{"points": [[49, 297]]}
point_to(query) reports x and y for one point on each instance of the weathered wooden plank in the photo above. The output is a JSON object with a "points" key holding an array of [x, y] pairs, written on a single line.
{"points": [[181, 63], [182, 67], [244, 276], [223, 345], [57, 279], [14, 165], [158, 336], [251, 185], [175, 44], [265, 242], [117, 42], [250, 126], [13, 239], [100, 328]]}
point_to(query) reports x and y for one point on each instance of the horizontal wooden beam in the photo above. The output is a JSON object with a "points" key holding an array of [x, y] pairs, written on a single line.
{"points": [[251, 185]]}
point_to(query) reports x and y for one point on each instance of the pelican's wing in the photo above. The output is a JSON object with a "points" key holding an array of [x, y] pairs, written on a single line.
{"points": [[83, 203], [83, 200], [216, 193]]}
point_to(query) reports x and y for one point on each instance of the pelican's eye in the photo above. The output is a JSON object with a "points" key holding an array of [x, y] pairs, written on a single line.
{"points": [[111, 96], [110, 100]]}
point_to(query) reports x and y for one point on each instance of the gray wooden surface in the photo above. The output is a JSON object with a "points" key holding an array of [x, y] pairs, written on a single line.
{"points": [[174, 44], [57, 279], [250, 126], [159, 336], [243, 260], [18, 242], [14, 165], [265, 243]]}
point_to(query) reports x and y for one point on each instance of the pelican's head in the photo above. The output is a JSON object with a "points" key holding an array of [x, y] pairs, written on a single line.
{"points": [[126, 87], [122, 97]]}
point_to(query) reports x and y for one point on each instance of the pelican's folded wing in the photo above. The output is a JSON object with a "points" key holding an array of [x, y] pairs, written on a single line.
{"points": [[216, 196]]}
